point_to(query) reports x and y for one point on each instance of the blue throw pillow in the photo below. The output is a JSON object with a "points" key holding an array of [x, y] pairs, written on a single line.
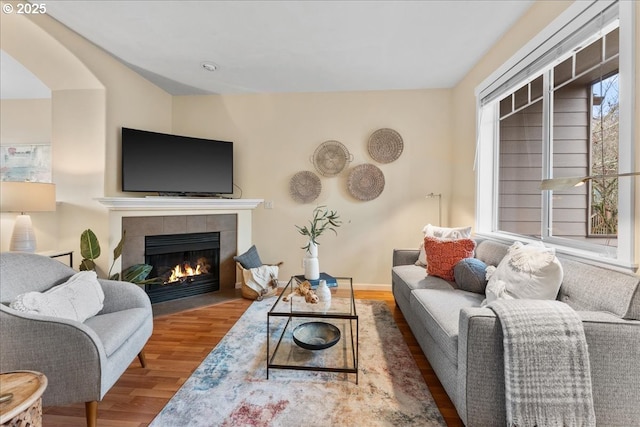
{"points": [[470, 275], [249, 259]]}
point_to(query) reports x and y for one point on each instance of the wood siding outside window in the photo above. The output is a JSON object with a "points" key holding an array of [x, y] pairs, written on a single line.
{"points": [[520, 204], [571, 158], [521, 142]]}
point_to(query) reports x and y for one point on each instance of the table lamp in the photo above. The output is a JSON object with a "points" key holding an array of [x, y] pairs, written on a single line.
{"points": [[26, 197]]}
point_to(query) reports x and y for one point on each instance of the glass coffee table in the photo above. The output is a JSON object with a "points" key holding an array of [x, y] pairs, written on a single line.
{"points": [[339, 316]]}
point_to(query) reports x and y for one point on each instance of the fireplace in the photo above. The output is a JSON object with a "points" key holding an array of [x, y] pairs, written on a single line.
{"points": [[184, 264], [137, 228]]}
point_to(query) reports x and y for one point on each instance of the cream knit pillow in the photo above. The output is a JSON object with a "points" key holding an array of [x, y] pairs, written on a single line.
{"points": [[526, 272], [78, 298]]}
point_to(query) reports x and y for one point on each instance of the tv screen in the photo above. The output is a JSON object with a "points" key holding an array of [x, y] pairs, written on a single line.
{"points": [[172, 164]]}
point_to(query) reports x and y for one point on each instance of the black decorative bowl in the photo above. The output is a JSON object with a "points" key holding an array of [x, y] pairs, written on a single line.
{"points": [[316, 335]]}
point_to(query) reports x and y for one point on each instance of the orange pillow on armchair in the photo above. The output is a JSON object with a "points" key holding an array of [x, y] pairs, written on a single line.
{"points": [[443, 255]]}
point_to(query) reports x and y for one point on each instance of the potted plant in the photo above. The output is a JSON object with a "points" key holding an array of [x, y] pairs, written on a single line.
{"points": [[323, 220], [90, 250]]}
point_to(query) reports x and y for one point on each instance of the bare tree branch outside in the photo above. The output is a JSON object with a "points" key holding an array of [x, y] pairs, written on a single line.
{"points": [[604, 156]]}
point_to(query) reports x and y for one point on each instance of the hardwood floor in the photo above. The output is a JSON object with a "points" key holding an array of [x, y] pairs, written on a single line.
{"points": [[441, 398], [179, 343]]}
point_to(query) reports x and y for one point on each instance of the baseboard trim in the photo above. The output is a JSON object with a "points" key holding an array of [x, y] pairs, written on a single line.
{"points": [[372, 287], [356, 286]]}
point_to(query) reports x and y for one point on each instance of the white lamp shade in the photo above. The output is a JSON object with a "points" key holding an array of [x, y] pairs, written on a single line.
{"points": [[27, 196]]}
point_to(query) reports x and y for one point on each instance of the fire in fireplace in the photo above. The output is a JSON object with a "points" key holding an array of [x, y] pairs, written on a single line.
{"points": [[185, 271], [185, 264]]}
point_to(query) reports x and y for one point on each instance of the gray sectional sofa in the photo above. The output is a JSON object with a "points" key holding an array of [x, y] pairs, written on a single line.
{"points": [[463, 341]]}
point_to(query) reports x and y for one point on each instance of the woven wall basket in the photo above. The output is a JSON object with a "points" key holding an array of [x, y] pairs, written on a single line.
{"points": [[385, 145], [365, 182], [305, 187], [330, 158]]}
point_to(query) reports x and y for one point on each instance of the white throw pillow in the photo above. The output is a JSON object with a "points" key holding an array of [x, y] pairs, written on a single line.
{"points": [[526, 272], [447, 233], [422, 256], [441, 233], [78, 298]]}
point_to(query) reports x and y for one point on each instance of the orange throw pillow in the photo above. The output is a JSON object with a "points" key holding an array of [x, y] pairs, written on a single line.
{"points": [[443, 255]]}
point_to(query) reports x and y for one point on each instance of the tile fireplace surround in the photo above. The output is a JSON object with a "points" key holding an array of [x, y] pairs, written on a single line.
{"points": [[171, 215]]}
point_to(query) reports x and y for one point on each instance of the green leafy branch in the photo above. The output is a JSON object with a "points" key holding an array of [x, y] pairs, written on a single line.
{"points": [[323, 220], [90, 250]]}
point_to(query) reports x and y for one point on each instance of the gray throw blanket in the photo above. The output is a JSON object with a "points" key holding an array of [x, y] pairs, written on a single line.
{"points": [[546, 364]]}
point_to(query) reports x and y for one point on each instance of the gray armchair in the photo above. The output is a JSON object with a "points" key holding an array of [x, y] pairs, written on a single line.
{"points": [[82, 361]]}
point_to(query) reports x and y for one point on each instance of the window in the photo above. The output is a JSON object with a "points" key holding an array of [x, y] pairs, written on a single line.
{"points": [[558, 113], [605, 130]]}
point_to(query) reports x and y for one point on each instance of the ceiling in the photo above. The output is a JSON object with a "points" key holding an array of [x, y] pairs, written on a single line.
{"points": [[293, 46]]}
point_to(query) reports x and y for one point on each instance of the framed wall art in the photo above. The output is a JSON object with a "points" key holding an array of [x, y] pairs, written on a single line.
{"points": [[25, 162]]}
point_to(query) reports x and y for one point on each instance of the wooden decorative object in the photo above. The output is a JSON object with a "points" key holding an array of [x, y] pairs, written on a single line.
{"points": [[24, 409]]}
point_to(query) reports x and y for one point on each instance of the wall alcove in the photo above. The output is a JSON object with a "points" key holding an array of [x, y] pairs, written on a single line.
{"points": [[78, 115]]}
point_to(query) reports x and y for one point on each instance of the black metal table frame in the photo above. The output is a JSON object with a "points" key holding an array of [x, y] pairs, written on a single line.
{"points": [[309, 314]]}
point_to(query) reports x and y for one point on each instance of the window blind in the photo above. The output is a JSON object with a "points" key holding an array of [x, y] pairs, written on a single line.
{"points": [[583, 29]]}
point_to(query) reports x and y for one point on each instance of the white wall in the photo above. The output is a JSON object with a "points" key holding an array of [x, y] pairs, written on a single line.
{"points": [[128, 100], [27, 121], [275, 136], [93, 96], [531, 23], [78, 133]]}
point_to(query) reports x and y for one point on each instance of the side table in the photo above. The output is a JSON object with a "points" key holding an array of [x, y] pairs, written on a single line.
{"points": [[57, 254], [25, 406]]}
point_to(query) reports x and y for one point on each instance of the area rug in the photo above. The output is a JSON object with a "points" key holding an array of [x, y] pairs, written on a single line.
{"points": [[230, 387]]}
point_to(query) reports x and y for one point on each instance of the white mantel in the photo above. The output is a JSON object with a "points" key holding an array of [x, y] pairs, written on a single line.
{"points": [[176, 203], [120, 207]]}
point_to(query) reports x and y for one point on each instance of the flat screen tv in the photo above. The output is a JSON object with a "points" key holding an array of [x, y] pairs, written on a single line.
{"points": [[175, 165]]}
